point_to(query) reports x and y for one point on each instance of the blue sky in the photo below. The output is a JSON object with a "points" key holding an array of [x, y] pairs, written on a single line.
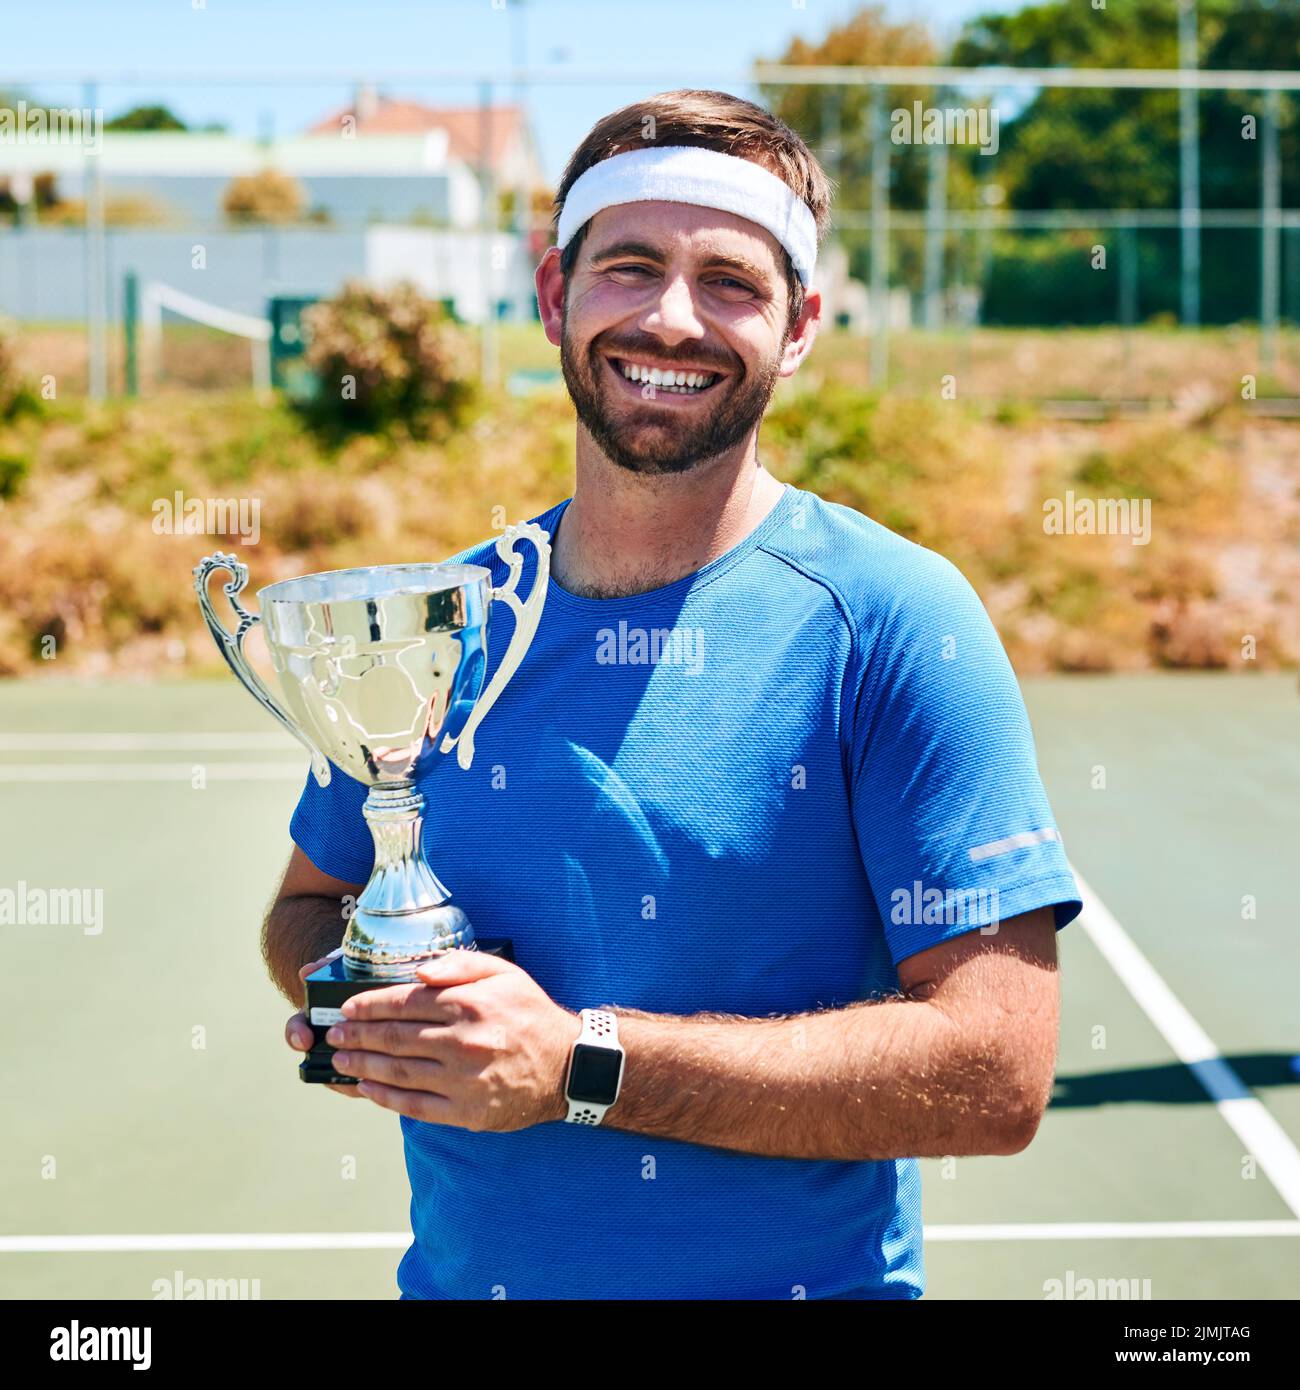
{"points": [[680, 39]]}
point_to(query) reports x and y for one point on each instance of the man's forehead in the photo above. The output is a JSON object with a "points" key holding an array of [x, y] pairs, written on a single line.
{"points": [[667, 227]]}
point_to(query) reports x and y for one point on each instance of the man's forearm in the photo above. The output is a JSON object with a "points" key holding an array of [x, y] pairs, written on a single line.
{"points": [[296, 931], [890, 1079]]}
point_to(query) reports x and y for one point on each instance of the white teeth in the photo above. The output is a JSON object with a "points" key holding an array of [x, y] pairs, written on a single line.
{"points": [[681, 382]]}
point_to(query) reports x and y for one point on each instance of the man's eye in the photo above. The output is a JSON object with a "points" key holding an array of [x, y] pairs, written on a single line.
{"points": [[730, 282], [623, 269]]}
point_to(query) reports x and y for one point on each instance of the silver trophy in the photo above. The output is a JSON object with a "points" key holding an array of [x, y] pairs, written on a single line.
{"points": [[381, 671]]}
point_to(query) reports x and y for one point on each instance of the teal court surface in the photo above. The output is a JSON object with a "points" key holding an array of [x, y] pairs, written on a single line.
{"points": [[156, 1132]]}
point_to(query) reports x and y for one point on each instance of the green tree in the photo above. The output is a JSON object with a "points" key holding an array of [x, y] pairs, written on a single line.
{"points": [[1119, 148], [146, 118], [1085, 149], [823, 113]]}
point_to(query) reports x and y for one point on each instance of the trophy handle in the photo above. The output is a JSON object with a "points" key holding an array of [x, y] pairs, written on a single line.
{"points": [[528, 614], [232, 647]]}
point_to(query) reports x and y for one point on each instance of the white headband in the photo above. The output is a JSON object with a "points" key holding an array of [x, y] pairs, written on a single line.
{"points": [[690, 174]]}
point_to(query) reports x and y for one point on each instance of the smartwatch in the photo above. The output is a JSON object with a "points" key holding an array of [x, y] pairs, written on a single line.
{"points": [[595, 1068]]}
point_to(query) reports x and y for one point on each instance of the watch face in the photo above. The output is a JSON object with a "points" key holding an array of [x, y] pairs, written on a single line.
{"points": [[594, 1074]]}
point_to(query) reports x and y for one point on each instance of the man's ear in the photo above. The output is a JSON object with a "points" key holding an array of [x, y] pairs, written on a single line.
{"points": [[549, 280], [804, 333]]}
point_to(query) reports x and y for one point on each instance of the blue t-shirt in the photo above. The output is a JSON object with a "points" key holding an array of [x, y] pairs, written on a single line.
{"points": [[754, 791]]}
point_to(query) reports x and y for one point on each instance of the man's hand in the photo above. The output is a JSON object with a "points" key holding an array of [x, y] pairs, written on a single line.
{"points": [[298, 1034], [478, 1044]]}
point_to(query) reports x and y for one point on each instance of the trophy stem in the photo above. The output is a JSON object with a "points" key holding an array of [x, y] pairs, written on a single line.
{"points": [[395, 814], [404, 915]]}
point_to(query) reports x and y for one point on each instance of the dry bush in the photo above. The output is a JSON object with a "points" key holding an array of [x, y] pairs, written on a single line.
{"points": [[386, 358], [17, 397], [94, 591], [268, 196]]}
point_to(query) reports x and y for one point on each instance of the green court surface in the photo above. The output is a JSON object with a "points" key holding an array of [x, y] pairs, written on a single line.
{"points": [[132, 1155]]}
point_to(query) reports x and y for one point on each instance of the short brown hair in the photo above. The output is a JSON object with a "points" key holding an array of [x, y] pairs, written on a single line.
{"points": [[713, 121]]}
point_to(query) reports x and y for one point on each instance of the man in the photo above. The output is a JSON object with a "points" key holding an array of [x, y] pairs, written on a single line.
{"points": [[759, 811]]}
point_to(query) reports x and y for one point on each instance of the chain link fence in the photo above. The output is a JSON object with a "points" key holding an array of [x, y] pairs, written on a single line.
{"points": [[928, 266]]}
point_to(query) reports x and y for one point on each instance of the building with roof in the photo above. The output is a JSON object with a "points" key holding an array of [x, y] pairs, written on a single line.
{"points": [[494, 142], [395, 190], [349, 182]]}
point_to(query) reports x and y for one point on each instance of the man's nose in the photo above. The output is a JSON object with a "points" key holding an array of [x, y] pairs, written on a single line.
{"points": [[672, 316]]}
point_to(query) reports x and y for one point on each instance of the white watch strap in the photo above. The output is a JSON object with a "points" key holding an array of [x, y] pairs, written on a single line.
{"points": [[599, 1029]]}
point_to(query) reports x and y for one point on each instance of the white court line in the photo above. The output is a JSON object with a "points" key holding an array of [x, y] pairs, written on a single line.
{"points": [[399, 1240], [1258, 1131], [1114, 1230], [143, 743], [270, 771], [288, 1240]]}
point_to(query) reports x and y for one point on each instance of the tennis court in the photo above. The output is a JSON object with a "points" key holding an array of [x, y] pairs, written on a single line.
{"points": [[156, 1129]]}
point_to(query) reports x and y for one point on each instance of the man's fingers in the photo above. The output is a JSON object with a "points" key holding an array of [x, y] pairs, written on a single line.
{"points": [[298, 1034], [410, 1073], [411, 1003], [459, 967], [394, 1036]]}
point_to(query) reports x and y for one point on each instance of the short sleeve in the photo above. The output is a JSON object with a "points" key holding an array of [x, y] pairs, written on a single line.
{"points": [[951, 816], [330, 830]]}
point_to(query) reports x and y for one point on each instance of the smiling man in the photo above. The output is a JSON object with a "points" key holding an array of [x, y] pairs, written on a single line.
{"points": [[760, 811]]}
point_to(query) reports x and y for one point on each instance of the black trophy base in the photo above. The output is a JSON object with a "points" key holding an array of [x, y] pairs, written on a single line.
{"points": [[329, 987]]}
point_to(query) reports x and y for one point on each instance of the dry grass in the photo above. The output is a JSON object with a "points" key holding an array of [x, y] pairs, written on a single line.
{"points": [[1222, 564], [80, 559], [1069, 364], [1012, 365], [81, 562]]}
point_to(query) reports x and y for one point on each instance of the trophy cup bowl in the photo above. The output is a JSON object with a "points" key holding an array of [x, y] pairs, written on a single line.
{"points": [[381, 670]]}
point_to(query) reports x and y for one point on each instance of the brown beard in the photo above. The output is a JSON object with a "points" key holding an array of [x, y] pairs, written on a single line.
{"points": [[673, 446]]}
